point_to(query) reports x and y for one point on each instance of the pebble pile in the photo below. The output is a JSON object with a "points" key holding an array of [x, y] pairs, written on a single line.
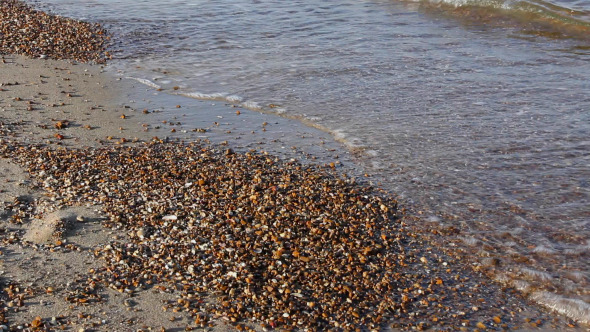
{"points": [[255, 241], [24, 30]]}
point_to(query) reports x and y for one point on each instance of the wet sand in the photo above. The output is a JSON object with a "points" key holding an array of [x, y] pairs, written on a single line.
{"points": [[106, 225]]}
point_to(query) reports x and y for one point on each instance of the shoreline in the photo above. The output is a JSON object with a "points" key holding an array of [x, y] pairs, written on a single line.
{"points": [[61, 119], [65, 103], [69, 232]]}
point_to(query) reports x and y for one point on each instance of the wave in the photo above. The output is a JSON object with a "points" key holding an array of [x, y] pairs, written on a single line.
{"points": [[531, 17], [353, 144], [220, 96], [572, 308], [144, 82], [576, 309]]}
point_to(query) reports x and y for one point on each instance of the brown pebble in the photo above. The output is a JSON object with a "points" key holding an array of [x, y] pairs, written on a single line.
{"points": [[61, 124], [36, 323], [68, 38]]}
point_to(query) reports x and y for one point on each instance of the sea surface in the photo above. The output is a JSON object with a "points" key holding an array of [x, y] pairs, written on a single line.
{"points": [[475, 112]]}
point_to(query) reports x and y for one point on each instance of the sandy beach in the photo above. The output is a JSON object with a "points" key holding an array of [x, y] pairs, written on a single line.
{"points": [[37, 96], [106, 225]]}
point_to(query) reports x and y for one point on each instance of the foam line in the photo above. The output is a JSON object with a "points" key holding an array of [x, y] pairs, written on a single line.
{"points": [[144, 81], [572, 308]]}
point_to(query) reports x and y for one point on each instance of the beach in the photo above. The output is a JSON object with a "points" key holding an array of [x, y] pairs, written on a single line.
{"points": [[115, 219]]}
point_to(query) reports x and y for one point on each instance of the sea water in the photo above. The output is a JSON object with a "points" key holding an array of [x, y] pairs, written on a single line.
{"points": [[475, 112]]}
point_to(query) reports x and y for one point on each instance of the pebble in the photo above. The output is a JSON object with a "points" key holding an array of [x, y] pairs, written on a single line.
{"points": [[34, 33], [276, 242]]}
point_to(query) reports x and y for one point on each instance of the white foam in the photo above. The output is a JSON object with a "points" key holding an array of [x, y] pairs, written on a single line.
{"points": [[572, 308], [456, 3], [461, 3], [433, 218], [144, 82], [578, 250], [252, 105], [205, 96], [576, 276], [353, 143], [521, 285], [502, 278], [536, 274], [541, 249], [339, 135], [234, 98], [470, 241]]}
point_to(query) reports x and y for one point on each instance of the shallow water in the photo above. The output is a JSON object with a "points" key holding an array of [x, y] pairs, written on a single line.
{"points": [[483, 126]]}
